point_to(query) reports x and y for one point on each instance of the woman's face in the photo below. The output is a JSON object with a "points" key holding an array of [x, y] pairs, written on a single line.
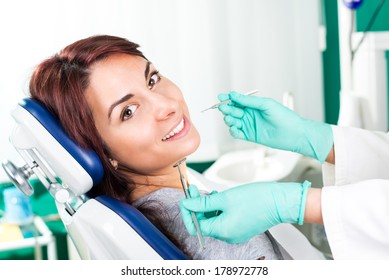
{"points": [[141, 116]]}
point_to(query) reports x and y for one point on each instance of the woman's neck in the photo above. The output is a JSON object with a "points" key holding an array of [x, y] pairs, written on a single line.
{"points": [[146, 184]]}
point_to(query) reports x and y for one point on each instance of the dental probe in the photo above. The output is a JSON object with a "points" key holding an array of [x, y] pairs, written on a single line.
{"points": [[227, 101], [194, 218]]}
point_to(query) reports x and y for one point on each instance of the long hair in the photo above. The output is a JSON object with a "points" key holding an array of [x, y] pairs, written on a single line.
{"points": [[60, 81]]}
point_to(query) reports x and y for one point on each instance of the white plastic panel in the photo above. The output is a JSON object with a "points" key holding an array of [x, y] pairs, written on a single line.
{"points": [[31, 134], [100, 234]]}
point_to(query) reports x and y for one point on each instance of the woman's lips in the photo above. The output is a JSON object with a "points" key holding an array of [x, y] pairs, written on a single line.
{"points": [[182, 133]]}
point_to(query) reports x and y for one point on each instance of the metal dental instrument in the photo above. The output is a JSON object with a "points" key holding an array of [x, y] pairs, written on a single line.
{"points": [[194, 218], [227, 101]]}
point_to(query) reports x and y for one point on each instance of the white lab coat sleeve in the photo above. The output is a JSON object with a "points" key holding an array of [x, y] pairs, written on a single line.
{"points": [[355, 199], [356, 219], [359, 155]]}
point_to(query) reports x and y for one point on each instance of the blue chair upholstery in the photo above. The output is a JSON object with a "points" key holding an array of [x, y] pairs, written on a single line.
{"points": [[159, 242], [86, 158]]}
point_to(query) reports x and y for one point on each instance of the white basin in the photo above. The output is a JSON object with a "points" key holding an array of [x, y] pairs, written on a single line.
{"points": [[268, 170], [252, 165]]}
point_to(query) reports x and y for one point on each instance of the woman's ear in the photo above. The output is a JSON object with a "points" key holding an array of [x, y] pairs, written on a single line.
{"points": [[114, 163]]}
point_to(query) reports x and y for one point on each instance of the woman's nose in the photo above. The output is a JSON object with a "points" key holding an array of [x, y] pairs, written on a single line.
{"points": [[165, 107]]}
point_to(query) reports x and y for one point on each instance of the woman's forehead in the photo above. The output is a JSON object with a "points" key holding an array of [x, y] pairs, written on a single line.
{"points": [[113, 78], [118, 71], [120, 61]]}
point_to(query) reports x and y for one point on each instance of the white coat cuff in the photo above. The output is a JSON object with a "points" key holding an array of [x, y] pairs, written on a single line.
{"points": [[332, 220], [360, 155]]}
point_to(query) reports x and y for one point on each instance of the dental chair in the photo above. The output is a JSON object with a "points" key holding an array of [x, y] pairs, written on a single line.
{"points": [[100, 227]]}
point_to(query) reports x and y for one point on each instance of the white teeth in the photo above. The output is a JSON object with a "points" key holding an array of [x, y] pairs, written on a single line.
{"points": [[176, 130]]}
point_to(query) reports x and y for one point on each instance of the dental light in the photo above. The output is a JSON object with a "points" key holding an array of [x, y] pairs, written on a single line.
{"points": [[352, 4]]}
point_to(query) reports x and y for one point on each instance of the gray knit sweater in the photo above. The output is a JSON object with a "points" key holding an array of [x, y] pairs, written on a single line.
{"points": [[166, 202]]}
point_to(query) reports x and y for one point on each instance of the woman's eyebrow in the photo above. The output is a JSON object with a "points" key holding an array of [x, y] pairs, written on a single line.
{"points": [[121, 100], [147, 71]]}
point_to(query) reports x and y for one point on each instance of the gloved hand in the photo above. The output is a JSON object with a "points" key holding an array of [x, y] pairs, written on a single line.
{"points": [[267, 122], [193, 193], [246, 210]]}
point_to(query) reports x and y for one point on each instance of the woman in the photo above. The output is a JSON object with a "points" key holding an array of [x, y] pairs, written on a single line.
{"points": [[111, 99]]}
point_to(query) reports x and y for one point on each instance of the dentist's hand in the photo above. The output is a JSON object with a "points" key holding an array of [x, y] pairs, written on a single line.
{"points": [[267, 122], [246, 210]]}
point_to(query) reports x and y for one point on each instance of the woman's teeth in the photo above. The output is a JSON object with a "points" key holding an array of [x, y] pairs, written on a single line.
{"points": [[176, 130]]}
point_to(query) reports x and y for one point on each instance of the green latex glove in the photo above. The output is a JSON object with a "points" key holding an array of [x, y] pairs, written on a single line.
{"points": [[193, 193], [246, 210], [267, 122]]}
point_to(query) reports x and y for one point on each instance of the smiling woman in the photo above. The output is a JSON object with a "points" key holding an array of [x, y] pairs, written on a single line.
{"points": [[111, 99], [142, 133]]}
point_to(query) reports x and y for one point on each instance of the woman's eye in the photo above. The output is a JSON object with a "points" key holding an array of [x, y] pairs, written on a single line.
{"points": [[128, 112], [154, 79]]}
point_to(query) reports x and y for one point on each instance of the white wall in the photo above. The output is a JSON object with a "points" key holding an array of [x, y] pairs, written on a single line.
{"points": [[206, 47]]}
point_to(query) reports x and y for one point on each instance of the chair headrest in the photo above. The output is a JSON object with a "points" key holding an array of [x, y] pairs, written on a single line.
{"points": [[54, 144]]}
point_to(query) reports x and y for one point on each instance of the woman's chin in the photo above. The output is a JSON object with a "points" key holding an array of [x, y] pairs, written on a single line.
{"points": [[193, 145], [188, 151]]}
